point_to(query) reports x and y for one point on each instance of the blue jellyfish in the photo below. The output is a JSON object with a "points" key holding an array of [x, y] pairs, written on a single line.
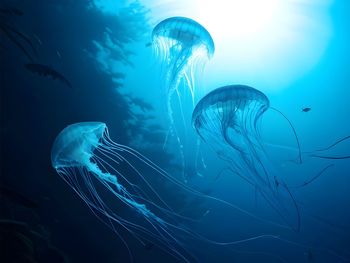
{"points": [[183, 46], [227, 119], [84, 155], [90, 162]]}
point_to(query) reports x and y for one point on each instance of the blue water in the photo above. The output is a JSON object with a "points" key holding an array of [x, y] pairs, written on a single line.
{"points": [[105, 68]]}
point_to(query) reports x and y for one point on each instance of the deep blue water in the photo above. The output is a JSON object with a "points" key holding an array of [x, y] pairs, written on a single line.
{"points": [[110, 73]]}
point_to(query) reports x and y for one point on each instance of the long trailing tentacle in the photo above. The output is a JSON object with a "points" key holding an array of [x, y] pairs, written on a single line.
{"points": [[164, 235], [318, 153], [297, 228], [314, 177], [184, 186], [333, 144], [330, 157], [292, 127], [314, 153]]}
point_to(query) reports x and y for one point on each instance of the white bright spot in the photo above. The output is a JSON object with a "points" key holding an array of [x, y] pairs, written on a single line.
{"points": [[234, 18], [265, 43]]}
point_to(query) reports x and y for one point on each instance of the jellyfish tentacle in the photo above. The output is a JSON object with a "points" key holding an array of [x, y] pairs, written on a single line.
{"points": [[333, 144], [294, 132], [84, 154], [314, 177], [189, 189], [180, 42], [227, 119], [318, 153], [146, 198], [330, 157], [94, 208]]}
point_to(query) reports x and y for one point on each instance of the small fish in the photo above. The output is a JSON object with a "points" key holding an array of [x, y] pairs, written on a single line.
{"points": [[306, 109], [47, 71], [148, 44]]}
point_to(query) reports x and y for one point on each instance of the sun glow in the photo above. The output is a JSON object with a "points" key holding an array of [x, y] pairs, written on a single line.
{"points": [[237, 17], [269, 44]]}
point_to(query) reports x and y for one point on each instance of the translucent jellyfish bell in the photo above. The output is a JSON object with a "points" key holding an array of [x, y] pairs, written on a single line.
{"points": [[183, 46], [74, 146], [122, 188], [84, 155], [181, 43], [227, 119]]}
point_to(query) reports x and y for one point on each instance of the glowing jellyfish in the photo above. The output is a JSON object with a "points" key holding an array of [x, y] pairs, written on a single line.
{"points": [[86, 158], [183, 46], [227, 118], [91, 163]]}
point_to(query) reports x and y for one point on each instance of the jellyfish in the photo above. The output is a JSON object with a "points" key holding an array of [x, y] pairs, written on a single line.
{"points": [[183, 46], [228, 120], [83, 155], [111, 179]]}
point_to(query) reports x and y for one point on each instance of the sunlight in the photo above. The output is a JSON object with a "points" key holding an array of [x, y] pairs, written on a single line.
{"points": [[237, 17], [270, 44]]}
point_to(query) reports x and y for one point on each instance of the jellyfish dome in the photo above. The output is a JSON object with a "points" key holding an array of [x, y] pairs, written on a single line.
{"points": [[182, 44], [184, 33], [74, 146], [230, 106], [84, 156], [122, 188], [228, 120]]}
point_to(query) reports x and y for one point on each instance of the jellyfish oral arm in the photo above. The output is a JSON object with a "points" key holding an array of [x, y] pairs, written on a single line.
{"points": [[93, 168]]}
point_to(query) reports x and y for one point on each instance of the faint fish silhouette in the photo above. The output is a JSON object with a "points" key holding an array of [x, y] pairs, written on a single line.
{"points": [[306, 109], [46, 71]]}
